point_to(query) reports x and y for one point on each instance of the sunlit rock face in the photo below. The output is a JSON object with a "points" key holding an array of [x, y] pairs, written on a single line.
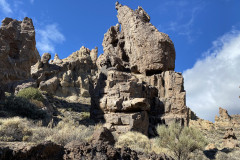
{"points": [[142, 48], [18, 50], [70, 78], [137, 87]]}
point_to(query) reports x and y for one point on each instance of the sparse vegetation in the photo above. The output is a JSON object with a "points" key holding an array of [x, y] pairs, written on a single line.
{"points": [[14, 129], [18, 106], [21, 129], [135, 141], [180, 140], [67, 132]]}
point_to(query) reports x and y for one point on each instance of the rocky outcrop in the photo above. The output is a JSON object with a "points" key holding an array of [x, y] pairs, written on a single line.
{"points": [[230, 139], [73, 150], [137, 87], [103, 135], [123, 102], [224, 120], [223, 126], [140, 46], [18, 51], [202, 124], [79, 150], [70, 78], [25, 151]]}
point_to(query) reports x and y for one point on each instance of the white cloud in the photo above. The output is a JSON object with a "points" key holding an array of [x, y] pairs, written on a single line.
{"points": [[214, 81], [48, 37], [5, 7]]}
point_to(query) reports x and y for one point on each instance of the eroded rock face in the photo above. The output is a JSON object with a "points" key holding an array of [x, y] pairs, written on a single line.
{"points": [[223, 115], [230, 139], [140, 46], [137, 87], [70, 78], [18, 50]]}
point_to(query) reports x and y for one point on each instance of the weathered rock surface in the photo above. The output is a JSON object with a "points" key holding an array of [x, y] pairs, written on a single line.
{"points": [[230, 139], [70, 78], [25, 151], [223, 127], [137, 87], [73, 150], [78, 150], [18, 51], [202, 124], [103, 135], [140, 46]]}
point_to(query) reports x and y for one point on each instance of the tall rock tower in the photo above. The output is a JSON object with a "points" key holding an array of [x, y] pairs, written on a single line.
{"points": [[18, 51], [137, 86]]}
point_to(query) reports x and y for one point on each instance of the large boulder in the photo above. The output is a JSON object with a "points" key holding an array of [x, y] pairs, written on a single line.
{"points": [[18, 51], [140, 46], [230, 139], [103, 135]]}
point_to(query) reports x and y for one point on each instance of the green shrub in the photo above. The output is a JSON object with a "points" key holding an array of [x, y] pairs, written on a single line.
{"points": [[17, 106], [31, 93], [180, 140], [135, 141]]}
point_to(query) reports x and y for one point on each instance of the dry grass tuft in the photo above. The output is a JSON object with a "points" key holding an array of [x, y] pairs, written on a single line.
{"points": [[21, 129], [135, 141]]}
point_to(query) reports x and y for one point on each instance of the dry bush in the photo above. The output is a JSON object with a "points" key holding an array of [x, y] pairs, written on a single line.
{"points": [[21, 129], [64, 133], [135, 141], [180, 140], [15, 129], [40, 134]]}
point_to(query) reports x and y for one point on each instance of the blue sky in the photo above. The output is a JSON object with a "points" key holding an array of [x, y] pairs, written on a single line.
{"points": [[202, 31]]}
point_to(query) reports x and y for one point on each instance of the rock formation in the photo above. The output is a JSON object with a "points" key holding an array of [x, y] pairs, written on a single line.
{"points": [[230, 139], [224, 120], [70, 78], [79, 150], [140, 46], [17, 51], [73, 150], [137, 86]]}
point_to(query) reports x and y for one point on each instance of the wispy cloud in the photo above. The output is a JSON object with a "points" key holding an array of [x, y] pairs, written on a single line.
{"points": [[182, 23], [214, 80], [32, 1], [15, 9], [48, 37], [5, 7]]}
